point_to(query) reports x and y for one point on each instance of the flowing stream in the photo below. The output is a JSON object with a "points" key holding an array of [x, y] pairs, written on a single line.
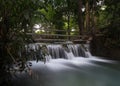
{"points": [[71, 66]]}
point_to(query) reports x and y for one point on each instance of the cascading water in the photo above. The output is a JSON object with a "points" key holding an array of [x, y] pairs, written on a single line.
{"points": [[55, 51], [77, 50], [75, 71]]}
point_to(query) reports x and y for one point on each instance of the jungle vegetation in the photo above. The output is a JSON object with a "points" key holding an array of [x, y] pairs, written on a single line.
{"points": [[18, 17]]}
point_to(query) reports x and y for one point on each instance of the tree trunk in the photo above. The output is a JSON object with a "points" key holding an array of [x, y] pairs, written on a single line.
{"points": [[68, 20], [80, 17], [4, 60], [93, 18], [87, 19], [68, 29]]}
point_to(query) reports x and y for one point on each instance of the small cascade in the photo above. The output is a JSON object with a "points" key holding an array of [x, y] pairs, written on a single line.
{"points": [[77, 50], [54, 51], [57, 51], [67, 51]]}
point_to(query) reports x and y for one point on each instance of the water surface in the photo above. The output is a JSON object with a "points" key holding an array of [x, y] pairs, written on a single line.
{"points": [[77, 71]]}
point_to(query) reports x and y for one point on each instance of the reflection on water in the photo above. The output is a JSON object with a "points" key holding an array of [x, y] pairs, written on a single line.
{"points": [[74, 72]]}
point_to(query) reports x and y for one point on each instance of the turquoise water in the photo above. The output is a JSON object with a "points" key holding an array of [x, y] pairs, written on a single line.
{"points": [[74, 72]]}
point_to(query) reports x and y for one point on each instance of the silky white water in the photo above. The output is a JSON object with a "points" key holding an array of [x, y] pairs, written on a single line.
{"points": [[71, 69]]}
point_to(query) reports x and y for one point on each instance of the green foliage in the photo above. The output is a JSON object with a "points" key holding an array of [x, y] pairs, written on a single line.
{"points": [[16, 19], [111, 19]]}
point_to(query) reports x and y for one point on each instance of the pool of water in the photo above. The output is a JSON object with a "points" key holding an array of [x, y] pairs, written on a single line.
{"points": [[74, 72]]}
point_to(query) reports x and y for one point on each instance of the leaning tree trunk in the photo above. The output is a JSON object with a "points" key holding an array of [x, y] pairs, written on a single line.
{"points": [[4, 60]]}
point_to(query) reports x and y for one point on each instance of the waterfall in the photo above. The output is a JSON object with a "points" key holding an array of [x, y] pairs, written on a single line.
{"points": [[77, 50], [57, 51], [54, 51], [67, 52]]}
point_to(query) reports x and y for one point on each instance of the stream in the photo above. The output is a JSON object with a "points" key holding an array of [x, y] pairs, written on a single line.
{"points": [[75, 71]]}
